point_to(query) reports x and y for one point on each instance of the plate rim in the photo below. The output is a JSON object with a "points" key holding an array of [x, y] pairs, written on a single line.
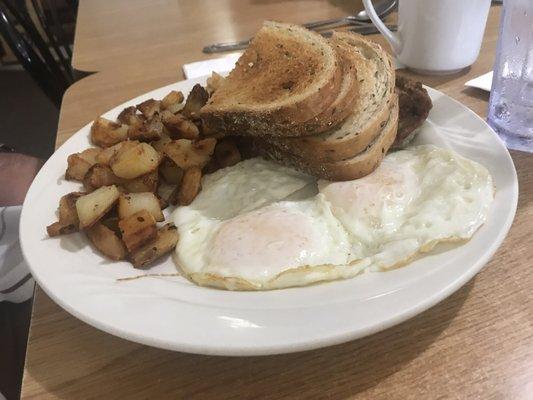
{"points": [[260, 348]]}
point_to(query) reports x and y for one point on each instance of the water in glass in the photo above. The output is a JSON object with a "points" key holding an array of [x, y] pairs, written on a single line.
{"points": [[511, 100]]}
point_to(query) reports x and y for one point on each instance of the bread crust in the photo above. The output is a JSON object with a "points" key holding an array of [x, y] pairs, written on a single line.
{"points": [[344, 170], [265, 114], [328, 146]]}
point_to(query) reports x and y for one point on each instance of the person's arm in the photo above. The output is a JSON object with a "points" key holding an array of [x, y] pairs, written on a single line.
{"points": [[16, 174]]}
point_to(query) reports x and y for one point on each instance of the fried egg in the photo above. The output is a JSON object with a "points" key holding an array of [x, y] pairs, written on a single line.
{"points": [[255, 249], [416, 198], [258, 226], [246, 186]]}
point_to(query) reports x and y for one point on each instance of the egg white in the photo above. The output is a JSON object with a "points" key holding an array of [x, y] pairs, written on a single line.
{"points": [[246, 186], [417, 198], [297, 241], [258, 226]]}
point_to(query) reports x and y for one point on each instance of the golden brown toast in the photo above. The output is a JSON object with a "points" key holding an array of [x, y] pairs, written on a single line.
{"points": [[344, 170], [287, 77], [375, 74]]}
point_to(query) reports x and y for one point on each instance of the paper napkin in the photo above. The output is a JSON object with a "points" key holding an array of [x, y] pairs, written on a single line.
{"points": [[483, 82]]}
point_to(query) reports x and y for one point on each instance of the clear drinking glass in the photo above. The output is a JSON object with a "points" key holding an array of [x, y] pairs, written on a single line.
{"points": [[511, 98]]}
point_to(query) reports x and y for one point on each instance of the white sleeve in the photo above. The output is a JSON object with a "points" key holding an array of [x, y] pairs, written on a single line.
{"points": [[16, 282]]}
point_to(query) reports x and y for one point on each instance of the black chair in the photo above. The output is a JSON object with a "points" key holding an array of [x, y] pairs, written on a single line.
{"points": [[47, 60], [52, 19]]}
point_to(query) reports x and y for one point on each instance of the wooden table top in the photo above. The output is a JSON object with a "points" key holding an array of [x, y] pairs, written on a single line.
{"points": [[478, 343], [110, 34]]}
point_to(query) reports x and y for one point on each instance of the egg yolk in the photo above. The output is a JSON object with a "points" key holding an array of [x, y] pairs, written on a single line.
{"points": [[265, 242]]}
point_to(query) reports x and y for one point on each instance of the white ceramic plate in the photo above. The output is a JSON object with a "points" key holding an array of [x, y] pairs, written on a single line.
{"points": [[172, 313]]}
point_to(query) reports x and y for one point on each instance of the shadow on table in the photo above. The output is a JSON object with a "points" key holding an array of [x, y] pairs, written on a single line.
{"points": [[114, 366]]}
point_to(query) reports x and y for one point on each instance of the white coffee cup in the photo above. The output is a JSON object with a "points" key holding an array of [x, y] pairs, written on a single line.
{"points": [[436, 36]]}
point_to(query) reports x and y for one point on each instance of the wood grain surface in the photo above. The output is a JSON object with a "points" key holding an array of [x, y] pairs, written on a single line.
{"points": [[110, 34], [477, 344]]}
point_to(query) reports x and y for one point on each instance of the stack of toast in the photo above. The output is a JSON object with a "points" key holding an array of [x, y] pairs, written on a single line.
{"points": [[327, 107]]}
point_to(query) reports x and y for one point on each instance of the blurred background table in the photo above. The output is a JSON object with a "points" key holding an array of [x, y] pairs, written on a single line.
{"points": [[111, 34], [476, 344]]}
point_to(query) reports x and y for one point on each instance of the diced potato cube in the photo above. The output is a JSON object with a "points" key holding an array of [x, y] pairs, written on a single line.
{"points": [[112, 223], [158, 144], [187, 154], [165, 242], [68, 215], [77, 167], [95, 205], [129, 116], [129, 204], [149, 130], [171, 99], [106, 133], [196, 99], [105, 156], [179, 127], [162, 203], [100, 175], [165, 191], [133, 161], [57, 228], [90, 155], [170, 172], [149, 107], [190, 186], [137, 229], [144, 183], [106, 241]]}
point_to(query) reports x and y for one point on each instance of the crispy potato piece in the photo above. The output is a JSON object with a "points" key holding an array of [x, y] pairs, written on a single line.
{"points": [[170, 172], [149, 130], [145, 183], [129, 116], [90, 155], [111, 222], [158, 144], [213, 83], [77, 167], [129, 204], [227, 153], [179, 127], [106, 133], [190, 186], [100, 175], [95, 205], [164, 192], [133, 161], [196, 99], [68, 215], [106, 241], [165, 242], [162, 203], [149, 107], [211, 166], [137, 229], [104, 157], [57, 228], [172, 101], [187, 154]]}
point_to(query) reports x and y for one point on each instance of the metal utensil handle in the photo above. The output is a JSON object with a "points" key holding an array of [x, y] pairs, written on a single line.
{"points": [[232, 46]]}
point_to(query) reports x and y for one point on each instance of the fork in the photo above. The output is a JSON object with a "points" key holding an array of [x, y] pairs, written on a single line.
{"points": [[361, 28]]}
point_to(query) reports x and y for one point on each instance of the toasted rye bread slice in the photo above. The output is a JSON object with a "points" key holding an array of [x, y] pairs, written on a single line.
{"points": [[286, 77], [344, 170], [345, 102], [376, 77]]}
